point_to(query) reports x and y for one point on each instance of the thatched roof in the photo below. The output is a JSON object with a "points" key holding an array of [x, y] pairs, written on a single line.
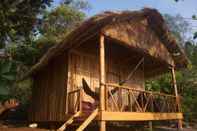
{"points": [[95, 25]]}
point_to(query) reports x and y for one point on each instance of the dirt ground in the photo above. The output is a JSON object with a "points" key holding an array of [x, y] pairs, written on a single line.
{"points": [[36, 129], [173, 129], [24, 127]]}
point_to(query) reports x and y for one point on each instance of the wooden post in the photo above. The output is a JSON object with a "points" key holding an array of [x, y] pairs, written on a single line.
{"points": [[150, 123], [80, 99], [102, 81], [106, 99], [177, 97]]}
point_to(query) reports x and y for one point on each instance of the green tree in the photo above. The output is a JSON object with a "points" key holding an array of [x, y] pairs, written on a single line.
{"points": [[60, 21], [56, 24], [178, 26], [7, 75], [18, 17], [194, 17], [188, 83]]}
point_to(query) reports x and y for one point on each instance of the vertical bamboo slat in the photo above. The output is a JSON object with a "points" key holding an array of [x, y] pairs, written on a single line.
{"points": [[49, 92]]}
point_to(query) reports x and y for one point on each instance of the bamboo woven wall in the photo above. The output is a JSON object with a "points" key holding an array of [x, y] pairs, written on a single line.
{"points": [[65, 74], [49, 92], [85, 65]]}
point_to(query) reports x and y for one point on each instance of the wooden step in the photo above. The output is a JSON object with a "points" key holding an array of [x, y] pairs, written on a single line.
{"points": [[69, 121]]}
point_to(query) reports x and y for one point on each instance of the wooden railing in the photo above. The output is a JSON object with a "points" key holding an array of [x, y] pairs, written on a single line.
{"points": [[128, 99], [74, 101]]}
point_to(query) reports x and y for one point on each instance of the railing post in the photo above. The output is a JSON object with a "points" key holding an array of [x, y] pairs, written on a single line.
{"points": [[80, 100], [177, 96], [106, 98], [150, 123], [102, 81]]}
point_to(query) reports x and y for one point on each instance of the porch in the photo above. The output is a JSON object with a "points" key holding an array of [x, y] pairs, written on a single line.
{"points": [[128, 104], [142, 105]]}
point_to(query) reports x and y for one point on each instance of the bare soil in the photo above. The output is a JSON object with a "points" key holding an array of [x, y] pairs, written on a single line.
{"points": [[24, 127], [16, 127], [173, 129]]}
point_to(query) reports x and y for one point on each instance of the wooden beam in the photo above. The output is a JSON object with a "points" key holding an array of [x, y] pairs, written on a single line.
{"points": [[69, 121], [102, 80], [138, 116], [180, 127], [138, 90], [88, 120]]}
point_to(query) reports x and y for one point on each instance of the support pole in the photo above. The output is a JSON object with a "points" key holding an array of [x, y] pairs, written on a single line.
{"points": [[150, 124], [80, 99], [180, 127], [102, 81]]}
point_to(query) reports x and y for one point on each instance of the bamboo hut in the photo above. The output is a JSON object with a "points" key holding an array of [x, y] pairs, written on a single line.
{"points": [[112, 50]]}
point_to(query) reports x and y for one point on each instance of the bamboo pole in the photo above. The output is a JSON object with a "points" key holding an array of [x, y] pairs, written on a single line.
{"points": [[150, 123], [177, 96], [81, 100], [102, 81]]}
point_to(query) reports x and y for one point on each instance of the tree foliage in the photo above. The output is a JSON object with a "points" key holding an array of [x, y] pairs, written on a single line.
{"points": [[59, 22], [194, 17], [34, 30], [18, 17], [7, 75], [178, 26]]}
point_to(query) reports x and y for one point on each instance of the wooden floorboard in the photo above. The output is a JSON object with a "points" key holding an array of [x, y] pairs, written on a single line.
{"points": [[133, 116]]}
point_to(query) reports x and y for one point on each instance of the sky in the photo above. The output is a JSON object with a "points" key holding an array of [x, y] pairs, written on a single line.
{"points": [[185, 8]]}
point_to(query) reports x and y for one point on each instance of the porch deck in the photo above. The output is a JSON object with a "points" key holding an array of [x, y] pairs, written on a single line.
{"points": [[130, 116]]}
